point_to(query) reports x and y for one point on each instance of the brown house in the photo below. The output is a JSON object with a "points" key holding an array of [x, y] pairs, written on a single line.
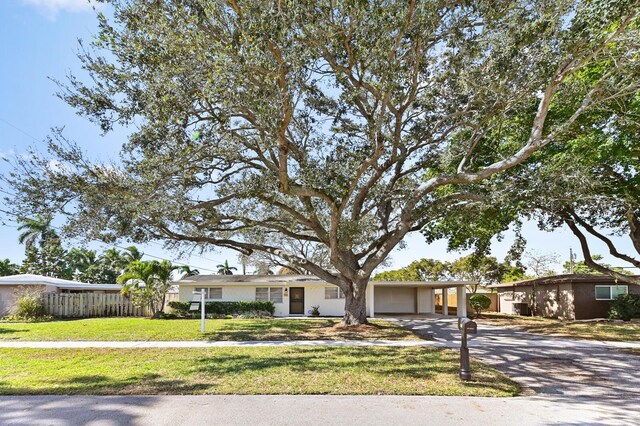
{"points": [[577, 296]]}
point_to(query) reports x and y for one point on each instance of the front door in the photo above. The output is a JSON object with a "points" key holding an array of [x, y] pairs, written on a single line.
{"points": [[296, 300]]}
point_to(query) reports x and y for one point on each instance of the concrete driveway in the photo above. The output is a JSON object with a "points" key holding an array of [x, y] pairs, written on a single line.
{"points": [[545, 365]]}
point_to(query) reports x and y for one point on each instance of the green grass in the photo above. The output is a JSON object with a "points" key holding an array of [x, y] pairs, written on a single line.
{"points": [[121, 329], [255, 370], [627, 332]]}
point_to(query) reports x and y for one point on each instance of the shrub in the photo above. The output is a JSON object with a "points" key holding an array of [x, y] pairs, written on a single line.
{"points": [[223, 308], [28, 305], [15, 318], [625, 307], [479, 302]]}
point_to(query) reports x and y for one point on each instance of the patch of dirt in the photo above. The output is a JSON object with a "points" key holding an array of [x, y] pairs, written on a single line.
{"points": [[362, 327]]}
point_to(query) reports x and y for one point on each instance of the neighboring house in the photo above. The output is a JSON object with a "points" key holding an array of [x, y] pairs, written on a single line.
{"points": [[9, 285], [296, 294], [576, 296]]}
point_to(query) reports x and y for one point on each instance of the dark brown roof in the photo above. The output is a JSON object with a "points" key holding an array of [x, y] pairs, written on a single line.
{"points": [[559, 279]]}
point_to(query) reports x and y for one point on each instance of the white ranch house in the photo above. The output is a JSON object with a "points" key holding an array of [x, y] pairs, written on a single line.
{"points": [[294, 295]]}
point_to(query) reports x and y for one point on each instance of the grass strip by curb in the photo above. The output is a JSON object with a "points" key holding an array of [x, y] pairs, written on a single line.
{"points": [[588, 330], [143, 329]]}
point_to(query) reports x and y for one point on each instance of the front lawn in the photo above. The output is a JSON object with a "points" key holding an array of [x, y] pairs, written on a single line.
{"points": [[574, 329], [122, 329], [246, 370]]}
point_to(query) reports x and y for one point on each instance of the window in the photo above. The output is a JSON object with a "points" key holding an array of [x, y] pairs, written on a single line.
{"points": [[211, 293], [215, 293], [265, 294], [333, 293], [610, 292]]}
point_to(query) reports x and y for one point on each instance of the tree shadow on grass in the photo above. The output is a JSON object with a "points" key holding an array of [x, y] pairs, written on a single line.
{"points": [[269, 329], [303, 329], [10, 331], [416, 364], [103, 385]]}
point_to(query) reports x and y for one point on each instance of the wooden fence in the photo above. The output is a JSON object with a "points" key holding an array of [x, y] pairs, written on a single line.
{"points": [[88, 305]]}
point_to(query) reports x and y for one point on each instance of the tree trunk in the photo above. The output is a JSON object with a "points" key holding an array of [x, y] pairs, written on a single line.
{"points": [[355, 305]]}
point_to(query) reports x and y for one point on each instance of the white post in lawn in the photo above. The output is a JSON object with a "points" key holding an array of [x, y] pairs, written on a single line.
{"points": [[201, 293]]}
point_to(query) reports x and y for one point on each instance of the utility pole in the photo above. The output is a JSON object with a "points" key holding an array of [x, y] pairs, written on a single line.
{"points": [[572, 258]]}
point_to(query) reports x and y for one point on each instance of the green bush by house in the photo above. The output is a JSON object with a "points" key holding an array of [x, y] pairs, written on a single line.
{"points": [[625, 307], [479, 302], [223, 308], [28, 306]]}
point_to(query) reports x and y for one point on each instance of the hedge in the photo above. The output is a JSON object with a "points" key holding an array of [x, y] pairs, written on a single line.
{"points": [[223, 308], [625, 307]]}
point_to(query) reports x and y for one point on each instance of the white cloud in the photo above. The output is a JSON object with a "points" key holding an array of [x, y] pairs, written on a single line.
{"points": [[51, 8], [5, 155]]}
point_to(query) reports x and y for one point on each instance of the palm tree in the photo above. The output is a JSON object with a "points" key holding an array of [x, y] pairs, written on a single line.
{"points": [[80, 259], [226, 269], [164, 271], [38, 229], [113, 259], [187, 271], [7, 268], [148, 282], [132, 254]]}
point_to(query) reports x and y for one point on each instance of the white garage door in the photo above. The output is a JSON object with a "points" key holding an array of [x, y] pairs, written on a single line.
{"points": [[395, 300]]}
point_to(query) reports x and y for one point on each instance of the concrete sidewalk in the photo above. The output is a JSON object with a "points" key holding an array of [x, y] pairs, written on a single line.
{"points": [[217, 344], [192, 410], [479, 342], [438, 332]]}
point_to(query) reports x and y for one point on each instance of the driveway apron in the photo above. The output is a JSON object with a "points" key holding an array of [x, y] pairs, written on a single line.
{"points": [[545, 365]]}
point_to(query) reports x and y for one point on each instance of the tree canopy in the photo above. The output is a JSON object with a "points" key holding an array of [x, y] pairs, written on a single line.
{"points": [[587, 180], [479, 270], [344, 124]]}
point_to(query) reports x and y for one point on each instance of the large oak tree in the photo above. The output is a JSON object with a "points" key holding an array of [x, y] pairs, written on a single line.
{"points": [[339, 123]]}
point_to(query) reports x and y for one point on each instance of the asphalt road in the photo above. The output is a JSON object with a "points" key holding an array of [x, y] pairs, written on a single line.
{"points": [[305, 410]]}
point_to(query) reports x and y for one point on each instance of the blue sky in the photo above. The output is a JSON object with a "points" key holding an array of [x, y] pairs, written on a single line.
{"points": [[38, 42]]}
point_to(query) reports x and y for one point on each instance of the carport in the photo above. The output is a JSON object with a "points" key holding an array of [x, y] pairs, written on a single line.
{"points": [[415, 297]]}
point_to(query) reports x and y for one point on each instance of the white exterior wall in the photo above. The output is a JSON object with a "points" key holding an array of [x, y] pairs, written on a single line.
{"points": [[508, 298], [313, 296], [235, 293], [6, 299], [8, 295]]}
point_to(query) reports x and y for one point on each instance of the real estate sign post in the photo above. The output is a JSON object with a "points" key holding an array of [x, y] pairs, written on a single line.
{"points": [[201, 293]]}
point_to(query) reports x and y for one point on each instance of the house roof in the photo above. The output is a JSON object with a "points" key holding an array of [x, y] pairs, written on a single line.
{"points": [[250, 279], [300, 280], [559, 279], [32, 279]]}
